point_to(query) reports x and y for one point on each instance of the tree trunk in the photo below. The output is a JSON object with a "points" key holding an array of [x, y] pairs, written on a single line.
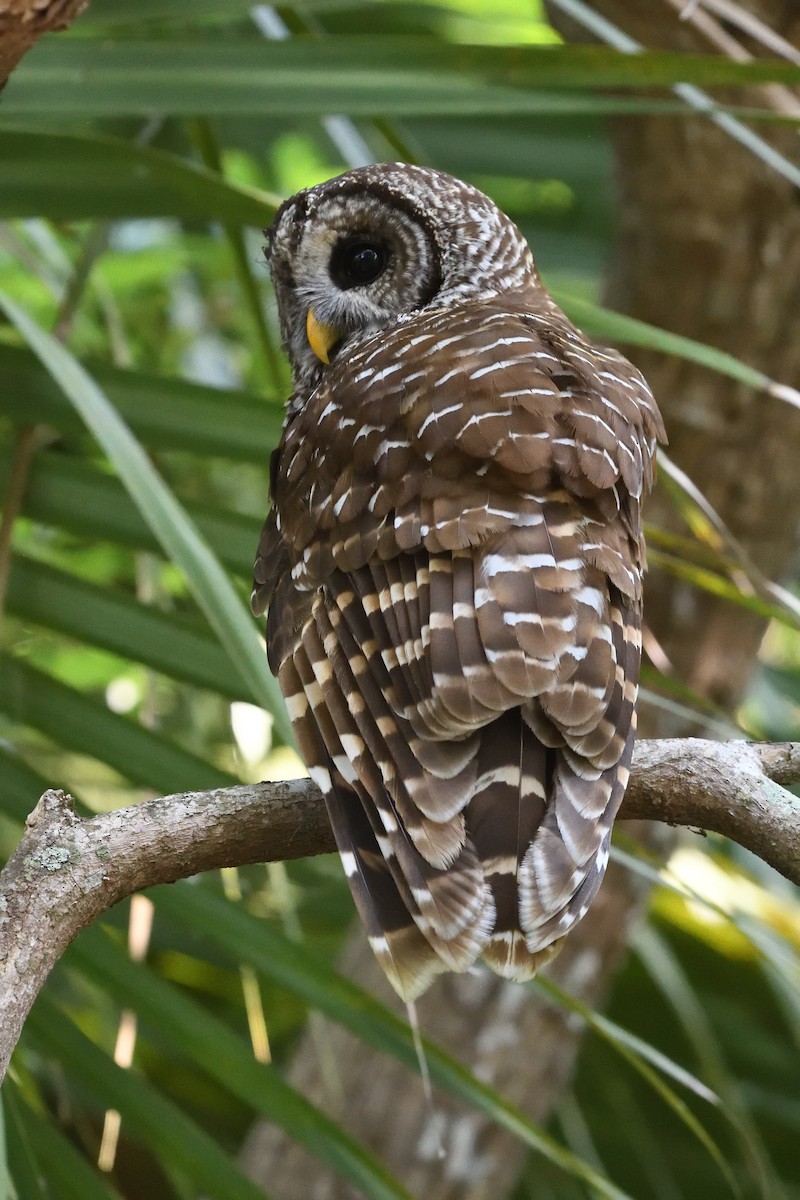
{"points": [[709, 246]]}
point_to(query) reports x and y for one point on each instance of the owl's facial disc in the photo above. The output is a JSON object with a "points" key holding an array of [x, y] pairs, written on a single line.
{"points": [[357, 260], [347, 262], [360, 263]]}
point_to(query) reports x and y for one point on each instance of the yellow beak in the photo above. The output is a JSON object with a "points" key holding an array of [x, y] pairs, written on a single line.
{"points": [[321, 337]]}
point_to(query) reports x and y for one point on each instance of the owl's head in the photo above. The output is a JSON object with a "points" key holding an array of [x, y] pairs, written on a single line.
{"points": [[363, 251]]}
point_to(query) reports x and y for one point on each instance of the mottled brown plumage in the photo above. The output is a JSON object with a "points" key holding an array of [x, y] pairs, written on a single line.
{"points": [[452, 567]]}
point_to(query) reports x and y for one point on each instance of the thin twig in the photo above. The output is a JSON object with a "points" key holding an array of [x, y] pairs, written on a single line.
{"points": [[775, 95], [758, 582], [757, 29], [693, 96], [94, 245]]}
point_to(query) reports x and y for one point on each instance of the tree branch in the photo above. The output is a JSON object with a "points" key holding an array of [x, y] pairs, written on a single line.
{"points": [[67, 871], [733, 788]]}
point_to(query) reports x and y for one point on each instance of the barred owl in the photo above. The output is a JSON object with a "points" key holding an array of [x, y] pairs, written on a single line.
{"points": [[452, 566]]}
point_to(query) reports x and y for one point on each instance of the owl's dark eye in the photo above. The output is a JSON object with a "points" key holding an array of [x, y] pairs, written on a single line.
{"points": [[357, 261]]}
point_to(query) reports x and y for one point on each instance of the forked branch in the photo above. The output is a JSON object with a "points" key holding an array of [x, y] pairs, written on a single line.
{"points": [[67, 871]]}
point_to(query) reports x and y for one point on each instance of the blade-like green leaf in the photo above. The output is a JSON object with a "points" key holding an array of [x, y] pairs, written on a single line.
{"points": [[292, 966], [168, 520], [685, 702], [622, 1109], [119, 623], [613, 1033], [192, 1030], [81, 724], [126, 181], [689, 548], [110, 13], [6, 1188], [66, 1173], [357, 75], [166, 414], [780, 964], [511, 155], [75, 495], [640, 1055], [716, 585], [203, 138], [20, 786], [119, 12], [29, 1181], [663, 966], [604, 322], [786, 680], [150, 1116]]}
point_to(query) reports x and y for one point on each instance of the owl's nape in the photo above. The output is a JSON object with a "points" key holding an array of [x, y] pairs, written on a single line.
{"points": [[452, 566]]}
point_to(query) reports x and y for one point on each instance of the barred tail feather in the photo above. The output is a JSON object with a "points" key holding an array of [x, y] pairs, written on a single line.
{"points": [[502, 819], [408, 959]]}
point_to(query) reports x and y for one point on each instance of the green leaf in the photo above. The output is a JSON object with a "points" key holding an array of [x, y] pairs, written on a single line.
{"points": [[64, 1172], [29, 1182], [150, 1116], [75, 495], [618, 1037], [641, 1055], [604, 322], [293, 967], [119, 12], [114, 621], [20, 785], [192, 1031], [717, 585], [517, 156], [667, 973], [79, 723], [203, 138], [168, 520], [106, 177], [165, 414], [361, 76], [5, 1178], [785, 679]]}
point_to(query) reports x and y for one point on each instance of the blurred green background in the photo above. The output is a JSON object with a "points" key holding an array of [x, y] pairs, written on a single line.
{"points": [[141, 155]]}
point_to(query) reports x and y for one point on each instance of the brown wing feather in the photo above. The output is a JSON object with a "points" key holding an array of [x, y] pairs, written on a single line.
{"points": [[453, 570]]}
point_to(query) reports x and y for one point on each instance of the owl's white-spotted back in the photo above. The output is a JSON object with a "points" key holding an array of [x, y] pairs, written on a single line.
{"points": [[453, 568]]}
